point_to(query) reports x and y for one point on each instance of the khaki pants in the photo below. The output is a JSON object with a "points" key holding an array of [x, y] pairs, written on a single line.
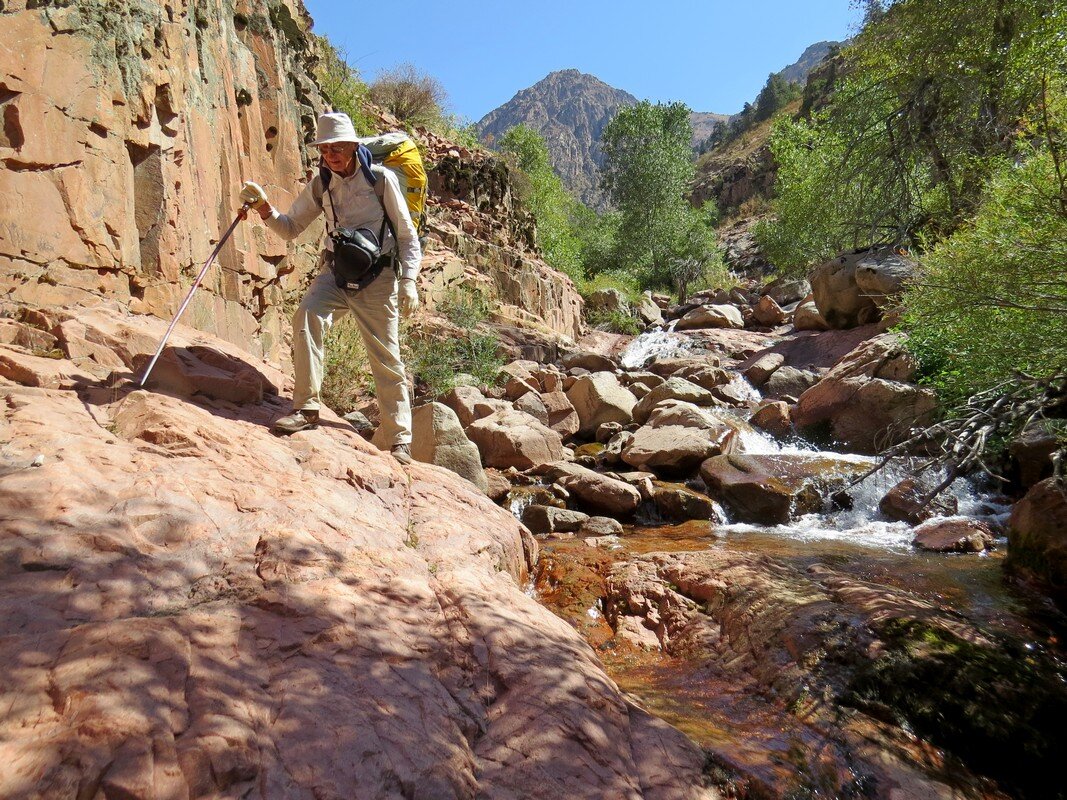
{"points": [[375, 311]]}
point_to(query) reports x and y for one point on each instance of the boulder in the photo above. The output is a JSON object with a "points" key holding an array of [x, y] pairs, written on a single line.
{"points": [[789, 382], [549, 519], [838, 298], [594, 490], [773, 417], [787, 290], [666, 367], [685, 415], [671, 450], [762, 368], [774, 489], [600, 398], [648, 311], [591, 362], [768, 313], [706, 377], [906, 502], [955, 535], [533, 404], [1037, 537], [678, 503], [671, 389], [514, 439], [711, 316], [437, 438], [607, 300], [606, 432], [499, 485], [600, 526], [463, 400], [562, 418], [1032, 450], [882, 275], [806, 317], [865, 399]]}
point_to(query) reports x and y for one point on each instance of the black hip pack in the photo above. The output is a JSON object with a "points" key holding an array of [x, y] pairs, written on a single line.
{"points": [[357, 257], [357, 252]]}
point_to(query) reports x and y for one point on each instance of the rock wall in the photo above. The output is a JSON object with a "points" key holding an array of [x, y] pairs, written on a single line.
{"points": [[127, 131]]}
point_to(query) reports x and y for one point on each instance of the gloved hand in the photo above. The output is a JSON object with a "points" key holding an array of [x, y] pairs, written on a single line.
{"points": [[409, 297], [253, 195]]}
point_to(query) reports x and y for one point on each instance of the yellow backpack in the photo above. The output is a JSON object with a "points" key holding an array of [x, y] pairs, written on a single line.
{"points": [[396, 151]]}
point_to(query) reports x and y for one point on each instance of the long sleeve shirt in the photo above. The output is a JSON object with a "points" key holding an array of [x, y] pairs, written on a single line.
{"points": [[353, 201]]}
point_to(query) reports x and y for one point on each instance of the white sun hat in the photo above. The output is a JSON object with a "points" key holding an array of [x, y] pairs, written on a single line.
{"points": [[334, 127]]}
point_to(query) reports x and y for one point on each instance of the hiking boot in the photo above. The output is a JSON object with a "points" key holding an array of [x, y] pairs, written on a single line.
{"points": [[297, 421], [402, 453]]}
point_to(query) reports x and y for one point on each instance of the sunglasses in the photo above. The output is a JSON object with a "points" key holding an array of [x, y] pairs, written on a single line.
{"points": [[336, 149]]}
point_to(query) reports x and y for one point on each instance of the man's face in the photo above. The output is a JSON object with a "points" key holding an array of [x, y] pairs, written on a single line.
{"points": [[338, 156]]}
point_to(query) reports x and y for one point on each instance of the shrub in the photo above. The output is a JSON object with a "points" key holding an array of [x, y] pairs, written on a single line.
{"points": [[412, 96], [342, 85]]}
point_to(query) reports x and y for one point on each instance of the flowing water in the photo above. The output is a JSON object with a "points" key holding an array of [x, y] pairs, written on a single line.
{"points": [[745, 732]]}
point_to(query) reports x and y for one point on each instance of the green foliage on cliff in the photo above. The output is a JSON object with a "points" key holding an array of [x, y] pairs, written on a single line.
{"points": [[947, 133], [343, 86], [559, 216]]}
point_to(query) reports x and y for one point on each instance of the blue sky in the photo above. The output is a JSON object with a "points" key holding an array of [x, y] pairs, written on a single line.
{"points": [[713, 55]]}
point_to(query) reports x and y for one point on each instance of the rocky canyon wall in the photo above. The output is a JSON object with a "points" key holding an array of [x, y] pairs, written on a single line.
{"points": [[126, 131]]}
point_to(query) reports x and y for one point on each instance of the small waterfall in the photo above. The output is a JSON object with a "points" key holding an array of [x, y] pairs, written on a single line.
{"points": [[655, 344]]}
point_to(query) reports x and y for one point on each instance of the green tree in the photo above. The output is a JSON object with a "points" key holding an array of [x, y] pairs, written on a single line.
{"points": [[648, 172], [775, 95], [934, 94], [559, 216]]}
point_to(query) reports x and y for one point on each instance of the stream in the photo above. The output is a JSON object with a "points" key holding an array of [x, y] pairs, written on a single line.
{"points": [[761, 738]]}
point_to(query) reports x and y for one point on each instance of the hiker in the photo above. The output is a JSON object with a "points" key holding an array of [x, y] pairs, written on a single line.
{"points": [[347, 197]]}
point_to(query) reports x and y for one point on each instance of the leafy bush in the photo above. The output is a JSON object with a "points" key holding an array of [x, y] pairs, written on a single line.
{"points": [[993, 299], [615, 321], [411, 96]]}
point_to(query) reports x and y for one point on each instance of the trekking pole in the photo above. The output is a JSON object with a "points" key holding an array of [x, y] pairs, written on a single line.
{"points": [[207, 265]]}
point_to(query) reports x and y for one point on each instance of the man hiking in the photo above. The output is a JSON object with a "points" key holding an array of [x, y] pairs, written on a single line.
{"points": [[359, 201]]}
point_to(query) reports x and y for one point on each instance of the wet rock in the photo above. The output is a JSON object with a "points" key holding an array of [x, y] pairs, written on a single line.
{"points": [[773, 417], [671, 450], [711, 316], [437, 438], [956, 535], [594, 490], [773, 489], [600, 398], [672, 389], [706, 377], [514, 439], [1037, 537], [549, 519], [907, 502], [600, 526], [678, 503]]}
